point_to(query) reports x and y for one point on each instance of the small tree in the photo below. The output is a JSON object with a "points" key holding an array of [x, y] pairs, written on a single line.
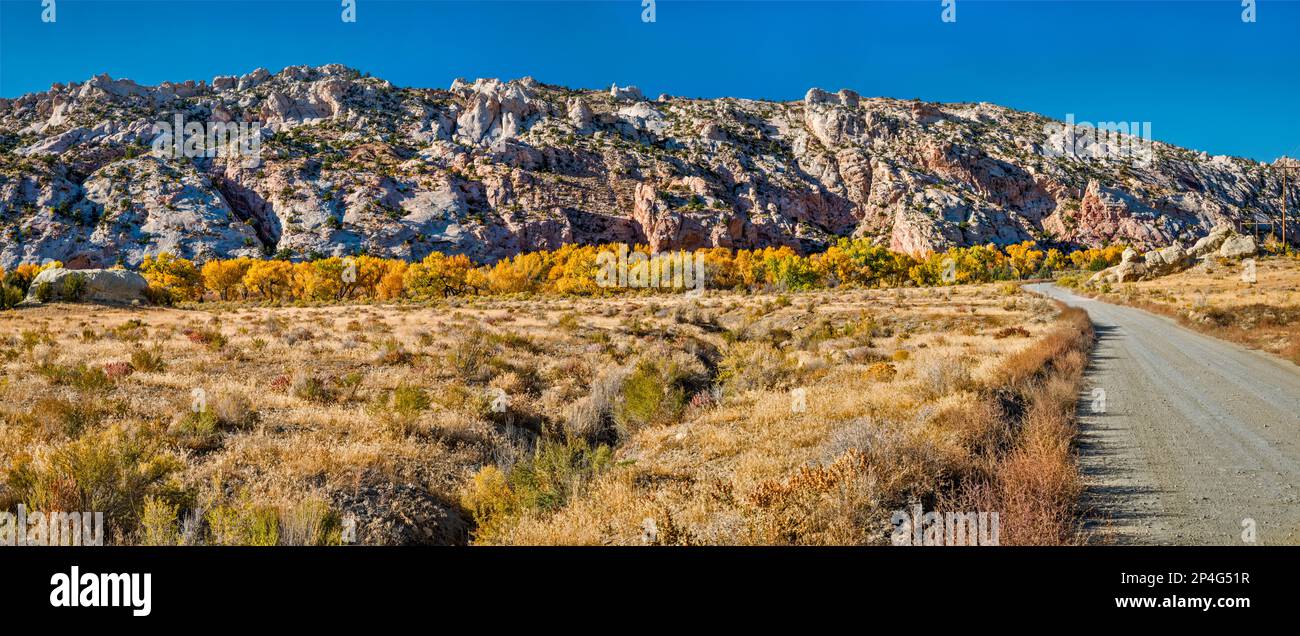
{"points": [[74, 287], [179, 277], [268, 279], [438, 275], [225, 277]]}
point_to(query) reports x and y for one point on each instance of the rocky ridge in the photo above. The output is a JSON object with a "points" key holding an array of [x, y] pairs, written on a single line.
{"points": [[350, 163]]}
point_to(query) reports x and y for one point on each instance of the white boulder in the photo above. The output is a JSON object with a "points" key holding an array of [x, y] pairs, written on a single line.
{"points": [[113, 286], [1238, 246]]}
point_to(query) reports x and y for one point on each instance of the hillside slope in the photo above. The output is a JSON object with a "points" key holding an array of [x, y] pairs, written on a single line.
{"points": [[352, 163]]}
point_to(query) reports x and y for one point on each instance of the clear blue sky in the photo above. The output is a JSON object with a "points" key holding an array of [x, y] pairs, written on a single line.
{"points": [[1204, 78]]}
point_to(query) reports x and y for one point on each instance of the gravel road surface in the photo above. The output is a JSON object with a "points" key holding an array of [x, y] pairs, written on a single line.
{"points": [[1195, 436]]}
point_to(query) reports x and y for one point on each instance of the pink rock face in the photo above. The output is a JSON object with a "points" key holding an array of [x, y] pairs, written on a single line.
{"points": [[491, 168], [913, 237], [1110, 216], [659, 225]]}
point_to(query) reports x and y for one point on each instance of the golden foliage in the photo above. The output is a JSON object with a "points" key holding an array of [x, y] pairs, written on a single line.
{"points": [[177, 276], [574, 269]]}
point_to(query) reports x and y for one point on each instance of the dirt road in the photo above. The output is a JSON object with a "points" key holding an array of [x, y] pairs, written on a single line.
{"points": [[1194, 438]]}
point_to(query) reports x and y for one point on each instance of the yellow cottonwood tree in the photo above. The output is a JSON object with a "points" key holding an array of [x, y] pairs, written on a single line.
{"points": [[225, 277], [437, 275], [268, 279], [177, 276], [392, 283]]}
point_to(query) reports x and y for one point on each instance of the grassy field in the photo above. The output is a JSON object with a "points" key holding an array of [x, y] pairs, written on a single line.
{"points": [[1214, 299], [724, 419]]}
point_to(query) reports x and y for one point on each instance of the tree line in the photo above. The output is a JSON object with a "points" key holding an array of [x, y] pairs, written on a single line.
{"points": [[572, 269]]}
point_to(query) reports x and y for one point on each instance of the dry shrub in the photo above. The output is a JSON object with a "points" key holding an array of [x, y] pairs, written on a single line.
{"points": [[201, 429], [280, 384], [196, 430], [881, 372], [79, 376], [463, 400], [592, 416], [1011, 332], [818, 505], [1074, 331], [311, 388], [937, 376], [213, 339], [1291, 350], [538, 484], [393, 352], [233, 410], [243, 523], [293, 336], [118, 370], [874, 467], [748, 366], [523, 378], [656, 390], [479, 435], [159, 523], [110, 470], [470, 356], [310, 522], [60, 417], [398, 412], [1035, 486], [877, 467], [969, 428]]}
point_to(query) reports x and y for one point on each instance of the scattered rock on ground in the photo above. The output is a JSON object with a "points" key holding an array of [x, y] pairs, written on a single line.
{"points": [[402, 514]]}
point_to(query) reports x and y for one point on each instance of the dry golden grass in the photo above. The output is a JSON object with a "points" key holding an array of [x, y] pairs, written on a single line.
{"points": [[619, 410], [1035, 484], [1262, 315], [750, 469]]}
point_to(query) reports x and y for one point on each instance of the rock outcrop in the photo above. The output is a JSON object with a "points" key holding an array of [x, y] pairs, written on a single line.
{"points": [[625, 93], [348, 163], [1221, 242], [1167, 260], [108, 286], [1237, 247]]}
